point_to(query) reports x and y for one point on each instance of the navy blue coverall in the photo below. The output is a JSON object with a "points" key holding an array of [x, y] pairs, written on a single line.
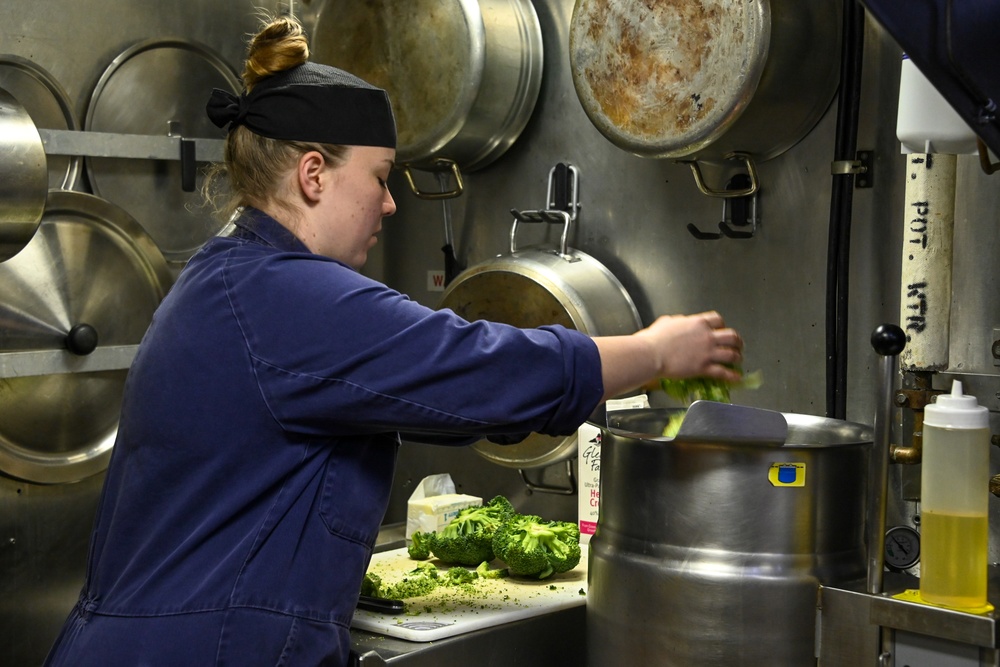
{"points": [[257, 443]]}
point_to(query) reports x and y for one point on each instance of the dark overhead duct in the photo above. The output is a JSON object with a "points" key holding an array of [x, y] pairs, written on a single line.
{"points": [[955, 44]]}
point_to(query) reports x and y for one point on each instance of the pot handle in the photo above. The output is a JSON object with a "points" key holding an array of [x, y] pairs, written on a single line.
{"points": [[547, 215], [437, 165], [726, 194]]}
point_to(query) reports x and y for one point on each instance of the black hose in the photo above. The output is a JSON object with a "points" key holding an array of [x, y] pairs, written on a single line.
{"points": [[841, 203]]}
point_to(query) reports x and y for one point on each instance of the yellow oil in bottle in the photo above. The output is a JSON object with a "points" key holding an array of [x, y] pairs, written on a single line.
{"points": [[953, 553]]}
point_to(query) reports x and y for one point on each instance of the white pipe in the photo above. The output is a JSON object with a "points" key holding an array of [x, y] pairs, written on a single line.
{"points": [[928, 225]]}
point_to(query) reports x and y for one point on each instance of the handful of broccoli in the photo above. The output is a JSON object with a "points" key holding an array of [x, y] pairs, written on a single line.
{"points": [[702, 389], [467, 539]]}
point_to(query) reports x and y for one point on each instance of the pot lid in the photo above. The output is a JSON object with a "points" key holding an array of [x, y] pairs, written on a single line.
{"points": [[50, 108], [427, 55], [89, 262], [666, 79], [158, 87]]}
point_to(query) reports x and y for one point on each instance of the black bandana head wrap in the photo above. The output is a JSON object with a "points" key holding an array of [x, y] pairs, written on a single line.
{"points": [[311, 102]]}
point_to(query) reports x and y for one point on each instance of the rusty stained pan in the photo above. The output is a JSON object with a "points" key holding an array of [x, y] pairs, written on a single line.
{"points": [[705, 78]]}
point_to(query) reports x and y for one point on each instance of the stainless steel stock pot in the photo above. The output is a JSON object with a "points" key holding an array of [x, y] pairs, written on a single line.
{"points": [[711, 553]]}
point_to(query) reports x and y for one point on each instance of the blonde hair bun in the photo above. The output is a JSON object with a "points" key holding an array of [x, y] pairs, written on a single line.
{"points": [[281, 44]]}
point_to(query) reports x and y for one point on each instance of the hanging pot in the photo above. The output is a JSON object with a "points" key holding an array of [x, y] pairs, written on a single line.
{"points": [[705, 80], [535, 286], [23, 177], [463, 76]]}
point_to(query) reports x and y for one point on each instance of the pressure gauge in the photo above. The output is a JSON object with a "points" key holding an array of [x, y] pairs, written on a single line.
{"points": [[902, 547]]}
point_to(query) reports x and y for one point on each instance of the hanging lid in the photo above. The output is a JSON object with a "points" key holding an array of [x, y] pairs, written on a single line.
{"points": [[956, 410], [158, 88], [89, 264]]}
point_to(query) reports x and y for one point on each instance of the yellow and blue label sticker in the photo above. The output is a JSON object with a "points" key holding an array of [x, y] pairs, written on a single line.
{"points": [[787, 474]]}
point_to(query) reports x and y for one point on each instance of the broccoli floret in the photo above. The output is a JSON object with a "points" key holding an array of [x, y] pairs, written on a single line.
{"points": [[371, 585], [457, 576], [468, 538], [420, 545], [485, 572], [418, 581], [531, 546]]}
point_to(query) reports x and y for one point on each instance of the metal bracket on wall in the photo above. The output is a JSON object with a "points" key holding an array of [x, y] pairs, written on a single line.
{"points": [[739, 214], [53, 362], [861, 167], [564, 189], [133, 146], [547, 488], [171, 146]]}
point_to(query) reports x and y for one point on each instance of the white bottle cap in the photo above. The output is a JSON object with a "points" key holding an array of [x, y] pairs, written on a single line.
{"points": [[956, 410]]}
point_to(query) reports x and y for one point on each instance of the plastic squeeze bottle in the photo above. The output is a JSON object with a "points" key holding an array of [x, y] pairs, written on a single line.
{"points": [[954, 479]]}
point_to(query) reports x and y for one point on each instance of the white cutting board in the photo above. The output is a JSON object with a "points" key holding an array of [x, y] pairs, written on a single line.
{"points": [[447, 611]]}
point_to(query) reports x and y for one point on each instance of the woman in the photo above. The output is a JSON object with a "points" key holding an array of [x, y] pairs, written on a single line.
{"points": [[260, 423]]}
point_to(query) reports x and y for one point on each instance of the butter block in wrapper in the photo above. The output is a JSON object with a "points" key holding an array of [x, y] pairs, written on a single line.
{"points": [[434, 503]]}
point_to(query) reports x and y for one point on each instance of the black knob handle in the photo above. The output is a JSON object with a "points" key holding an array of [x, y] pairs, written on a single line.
{"points": [[888, 340], [81, 339]]}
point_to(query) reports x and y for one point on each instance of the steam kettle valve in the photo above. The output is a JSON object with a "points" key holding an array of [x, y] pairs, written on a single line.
{"points": [[888, 341]]}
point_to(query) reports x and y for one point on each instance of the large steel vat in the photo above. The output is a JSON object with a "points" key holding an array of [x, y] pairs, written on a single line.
{"points": [[712, 553]]}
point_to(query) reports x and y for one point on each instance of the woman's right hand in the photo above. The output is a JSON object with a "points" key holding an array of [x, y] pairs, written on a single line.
{"points": [[674, 346]]}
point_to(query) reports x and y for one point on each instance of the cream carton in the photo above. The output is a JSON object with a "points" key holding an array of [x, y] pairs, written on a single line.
{"points": [[589, 461]]}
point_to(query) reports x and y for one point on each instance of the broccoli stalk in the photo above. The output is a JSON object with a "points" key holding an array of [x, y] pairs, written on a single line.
{"points": [[531, 546], [468, 538]]}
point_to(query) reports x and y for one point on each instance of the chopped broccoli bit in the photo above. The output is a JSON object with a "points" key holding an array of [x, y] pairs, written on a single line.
{"points": [[419, 581], [531, 546], [459, 575], [674, 424]]}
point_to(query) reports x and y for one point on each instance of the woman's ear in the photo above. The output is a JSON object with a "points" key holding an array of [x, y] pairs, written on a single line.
{"points": [[310, 169]]}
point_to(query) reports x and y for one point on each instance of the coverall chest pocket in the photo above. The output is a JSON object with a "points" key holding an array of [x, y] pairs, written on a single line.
{"points": [[356, 486]]}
